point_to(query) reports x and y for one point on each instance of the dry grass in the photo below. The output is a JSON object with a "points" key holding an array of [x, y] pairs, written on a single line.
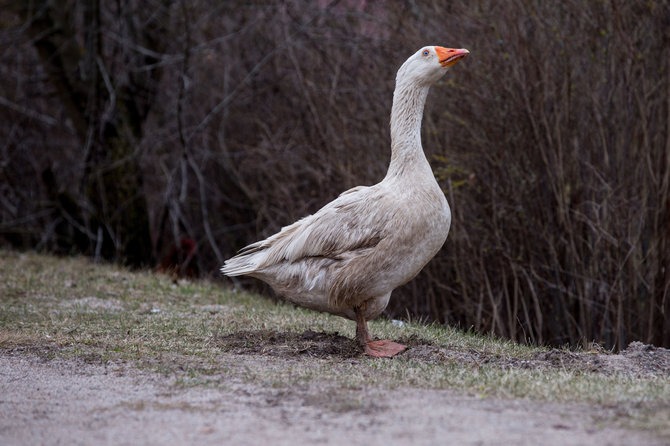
{"points": [[203, 333]]}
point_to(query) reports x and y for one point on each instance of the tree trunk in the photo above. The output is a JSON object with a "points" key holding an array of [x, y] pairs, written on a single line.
{"points": [[106, 122]]}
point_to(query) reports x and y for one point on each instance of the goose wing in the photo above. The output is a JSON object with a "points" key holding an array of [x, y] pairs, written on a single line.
{"points": [[359, 219]]}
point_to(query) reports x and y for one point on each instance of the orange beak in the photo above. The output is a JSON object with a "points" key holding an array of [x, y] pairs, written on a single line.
{"points": [[449, 56]]}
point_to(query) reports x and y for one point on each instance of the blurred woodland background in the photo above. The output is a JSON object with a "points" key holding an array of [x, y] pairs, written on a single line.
{"points": [[178, 131]]}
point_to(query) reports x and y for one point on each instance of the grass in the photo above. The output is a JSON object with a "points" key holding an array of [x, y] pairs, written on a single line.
{"points": [[72, 308]]}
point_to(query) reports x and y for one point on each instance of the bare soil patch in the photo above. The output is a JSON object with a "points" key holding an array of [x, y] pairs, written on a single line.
{"points": [[287, 344], [637, 360]]}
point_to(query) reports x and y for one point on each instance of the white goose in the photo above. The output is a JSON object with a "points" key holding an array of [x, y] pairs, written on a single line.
{"points": [[347, 258]]}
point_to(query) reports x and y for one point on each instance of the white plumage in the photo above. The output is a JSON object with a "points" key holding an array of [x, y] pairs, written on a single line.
{"points": [[348, 257]]}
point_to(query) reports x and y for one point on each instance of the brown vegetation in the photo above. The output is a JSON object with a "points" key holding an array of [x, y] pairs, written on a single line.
{"points": [[127, 126]]}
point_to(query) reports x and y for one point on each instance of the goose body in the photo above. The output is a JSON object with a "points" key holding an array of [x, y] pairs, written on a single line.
{"points": [[348, 257]]}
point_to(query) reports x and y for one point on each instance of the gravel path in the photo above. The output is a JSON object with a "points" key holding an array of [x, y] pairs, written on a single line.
{"points": [[45, 402]]}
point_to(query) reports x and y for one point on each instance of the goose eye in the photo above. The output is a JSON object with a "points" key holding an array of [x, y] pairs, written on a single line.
{"points": [[425, 52]]}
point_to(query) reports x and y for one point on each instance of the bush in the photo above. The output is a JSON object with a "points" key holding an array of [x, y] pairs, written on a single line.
{"points": [[551, 142]]}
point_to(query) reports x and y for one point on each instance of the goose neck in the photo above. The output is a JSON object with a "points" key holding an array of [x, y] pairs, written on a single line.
{"points": [[406, 115]]}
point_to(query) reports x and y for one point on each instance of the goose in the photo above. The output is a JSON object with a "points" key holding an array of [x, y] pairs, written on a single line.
{"points": [[349, 256]]}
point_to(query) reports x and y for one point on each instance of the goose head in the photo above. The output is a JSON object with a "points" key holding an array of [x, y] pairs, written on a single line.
{"points": [[429, 64]]}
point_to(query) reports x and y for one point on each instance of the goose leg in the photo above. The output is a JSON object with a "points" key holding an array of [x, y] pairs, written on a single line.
{"points": [[379, 349]]}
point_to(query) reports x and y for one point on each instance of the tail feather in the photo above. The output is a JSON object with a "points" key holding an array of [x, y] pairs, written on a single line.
{"points": [[259, 254], [231, 270], [244, 263]]}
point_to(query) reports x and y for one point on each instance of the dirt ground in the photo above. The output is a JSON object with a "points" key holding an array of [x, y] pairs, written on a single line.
{"points": [[637, 359], [47, 400]]}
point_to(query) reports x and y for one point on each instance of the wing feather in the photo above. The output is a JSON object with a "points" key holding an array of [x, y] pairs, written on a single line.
{"points": [[355, 221]]}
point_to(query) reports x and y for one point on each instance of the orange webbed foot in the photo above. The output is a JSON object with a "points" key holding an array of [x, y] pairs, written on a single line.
{"points": [[383, 348]]}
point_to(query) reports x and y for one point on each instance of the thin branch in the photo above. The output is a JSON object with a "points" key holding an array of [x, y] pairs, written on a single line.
{"points": [[46, 119]]}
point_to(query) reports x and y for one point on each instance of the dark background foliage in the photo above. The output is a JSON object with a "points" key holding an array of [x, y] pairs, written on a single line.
{"points": [[127, 126]]}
